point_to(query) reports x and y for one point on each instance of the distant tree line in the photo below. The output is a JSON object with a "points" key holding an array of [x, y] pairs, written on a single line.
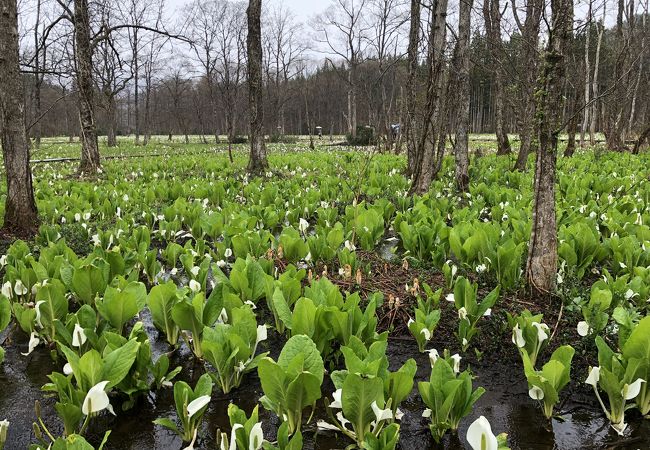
{"points": [[312, 78]]}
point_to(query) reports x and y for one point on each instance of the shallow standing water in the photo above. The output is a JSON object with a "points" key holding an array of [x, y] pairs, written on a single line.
{"points": [[505, 404]]}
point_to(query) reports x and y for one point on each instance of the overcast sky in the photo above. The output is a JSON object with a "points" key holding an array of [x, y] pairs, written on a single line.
{"points": [[304, 9]]}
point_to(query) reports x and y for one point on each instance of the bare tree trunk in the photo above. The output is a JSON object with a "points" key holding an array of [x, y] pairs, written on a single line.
{"points": [[527, 123], [38, 78], [258, 161], [585, 120], [645, 135], [492, 16], [639, 73], [90, 160], [614, 124], [426, 166], [541, 265], [594, 82], [461, 149], [147, 108], [21, 216], [136, 86], [411, 123], [572, 127], [111, 121]]}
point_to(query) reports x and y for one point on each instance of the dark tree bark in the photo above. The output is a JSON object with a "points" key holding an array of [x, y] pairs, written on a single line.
{"points": [[21, 217], [411, 123], [492, 16], [90, 160], [645, 135], [461, 149], [258, 161], [38, 77], [526, 116], [541, 264], [426, 164], [136, 85], [111, 119]]}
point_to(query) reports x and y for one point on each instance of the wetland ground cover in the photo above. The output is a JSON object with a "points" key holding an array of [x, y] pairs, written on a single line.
{"points": [[324, 295]]}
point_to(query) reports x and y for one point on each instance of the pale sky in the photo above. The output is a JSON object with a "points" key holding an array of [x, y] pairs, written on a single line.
{"points": [[304, 9]]}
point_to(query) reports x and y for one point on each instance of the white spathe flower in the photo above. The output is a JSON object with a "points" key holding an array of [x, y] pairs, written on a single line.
{"points": [[261, 334], [303, 225], [249, 303], [480, 436], [462, 313], [518, 337], [481, 268], [426, 413], [426, 333], [542, 329], [583, 328], [7, 290], [38, 313], [223, 316], [381, 414], [456, 359], [465, 342], [256, 437], [350, 246], [433, 356], [33, 343], [488, 312], [227, 253], [325, 426], [97, 400], [342, 420], [67, 369], [78, 336], [536, 393], [195, 270], [195, 286], [233, 436], [594, 376], [399, 414], [20, 288], [196, 405], [3, 260], [450, 298], [629, 294], [630, 391], [336, 395]]}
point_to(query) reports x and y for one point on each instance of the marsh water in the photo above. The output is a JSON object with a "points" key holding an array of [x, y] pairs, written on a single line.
{"points": [[506, 405]]}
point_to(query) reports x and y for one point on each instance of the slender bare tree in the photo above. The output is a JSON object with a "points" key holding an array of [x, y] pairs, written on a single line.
{"points": [[492, 15], [541, 265], [462, 60], [529, 30]]}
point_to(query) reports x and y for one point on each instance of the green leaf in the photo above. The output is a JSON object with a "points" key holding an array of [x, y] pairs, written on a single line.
{"points": [[118, 363], [305, 347]]}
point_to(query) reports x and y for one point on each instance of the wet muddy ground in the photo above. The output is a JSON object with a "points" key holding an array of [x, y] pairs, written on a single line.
{"points": [[506, 405]]}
